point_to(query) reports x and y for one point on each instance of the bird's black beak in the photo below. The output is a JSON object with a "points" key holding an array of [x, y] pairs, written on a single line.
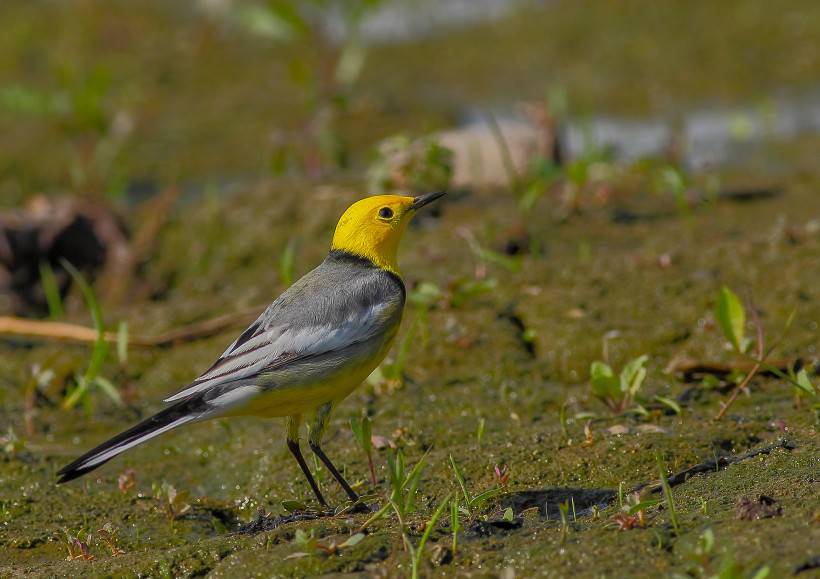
{"points": [[423, 200]]}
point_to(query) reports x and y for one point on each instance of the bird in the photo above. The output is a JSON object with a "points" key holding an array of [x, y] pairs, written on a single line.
{"points": [[307, 351]]}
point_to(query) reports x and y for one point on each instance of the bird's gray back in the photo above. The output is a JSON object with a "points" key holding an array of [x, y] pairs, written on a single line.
{"points": [[326, 295], [345, 306]]}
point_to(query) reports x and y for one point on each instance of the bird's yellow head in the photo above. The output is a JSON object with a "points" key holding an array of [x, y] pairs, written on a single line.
{"points": [[372, 227]]}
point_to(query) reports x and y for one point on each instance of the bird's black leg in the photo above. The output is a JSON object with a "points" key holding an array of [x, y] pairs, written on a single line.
{"points": [[296, 451], [293, 446], [317, 429], [314, 446]]}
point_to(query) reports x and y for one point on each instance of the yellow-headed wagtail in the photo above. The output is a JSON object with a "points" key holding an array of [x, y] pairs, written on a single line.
{"points": [[308, 350]]}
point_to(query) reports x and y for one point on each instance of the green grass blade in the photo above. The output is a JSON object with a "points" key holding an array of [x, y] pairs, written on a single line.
{"points": [[411, 483], [667, 493], [376, 516], [731, 315], [460, 479], [109, 389], [427, 530], [669, 403], [100, 351], [485, 496], [51, 290], [77, 394]]}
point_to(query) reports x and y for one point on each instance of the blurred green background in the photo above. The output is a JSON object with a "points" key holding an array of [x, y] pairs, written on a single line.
{"points": [[112, 97]]}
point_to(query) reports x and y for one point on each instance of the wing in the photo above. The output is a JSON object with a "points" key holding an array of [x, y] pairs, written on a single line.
{"points": [[328, 310]]}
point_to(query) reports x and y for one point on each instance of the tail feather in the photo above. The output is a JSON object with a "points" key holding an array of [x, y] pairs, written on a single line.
{"points": [[181, 413]]}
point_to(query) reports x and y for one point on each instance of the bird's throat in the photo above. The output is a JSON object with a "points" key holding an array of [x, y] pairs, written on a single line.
{"points": [[380, 252]]}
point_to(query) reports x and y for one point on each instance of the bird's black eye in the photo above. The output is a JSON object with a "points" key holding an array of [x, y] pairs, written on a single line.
{"points": [[385, 213]]}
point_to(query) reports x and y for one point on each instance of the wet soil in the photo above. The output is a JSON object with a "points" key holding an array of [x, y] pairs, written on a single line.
{"points": [[503, 362]]}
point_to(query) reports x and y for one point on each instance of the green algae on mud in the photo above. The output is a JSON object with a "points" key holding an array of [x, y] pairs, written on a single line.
{"points": [[467, 365], [648, 283]]}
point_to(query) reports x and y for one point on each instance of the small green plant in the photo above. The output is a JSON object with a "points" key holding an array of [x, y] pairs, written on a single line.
{"points": [[77, 545], [460, 292], [455, 522], [465, 290], [414, 165], [312, 546], [472, 503], [305, 541], [802, 383], [173, 503], [108, 535], [669, 403], [632, 513], [294, 506], [91, 377], [402, 500], [563, 420], [10, 443], [704, 562], [6, 513], [403, 487], [426, 295], [587, 176], [362, 429], [489, 256], [51, 291], [730, 314], [618, 392], [542, 176], [670, 179], [404, 483]]}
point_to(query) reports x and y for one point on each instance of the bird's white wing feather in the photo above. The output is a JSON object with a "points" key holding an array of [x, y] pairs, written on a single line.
{"points": [[274, 347]]}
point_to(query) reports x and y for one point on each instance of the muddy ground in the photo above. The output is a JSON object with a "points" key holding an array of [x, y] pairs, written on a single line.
{"points": [[487, 379]]}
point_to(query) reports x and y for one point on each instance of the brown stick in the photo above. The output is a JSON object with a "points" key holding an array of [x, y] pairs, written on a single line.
{"points": [[204, 329], [64, 332], [737, 390]]}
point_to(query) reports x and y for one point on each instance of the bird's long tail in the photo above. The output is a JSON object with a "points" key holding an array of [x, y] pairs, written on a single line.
{"points": [[184, 411]]}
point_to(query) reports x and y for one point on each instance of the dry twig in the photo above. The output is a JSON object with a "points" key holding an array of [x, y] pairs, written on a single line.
{"points": [[65, 332]]}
